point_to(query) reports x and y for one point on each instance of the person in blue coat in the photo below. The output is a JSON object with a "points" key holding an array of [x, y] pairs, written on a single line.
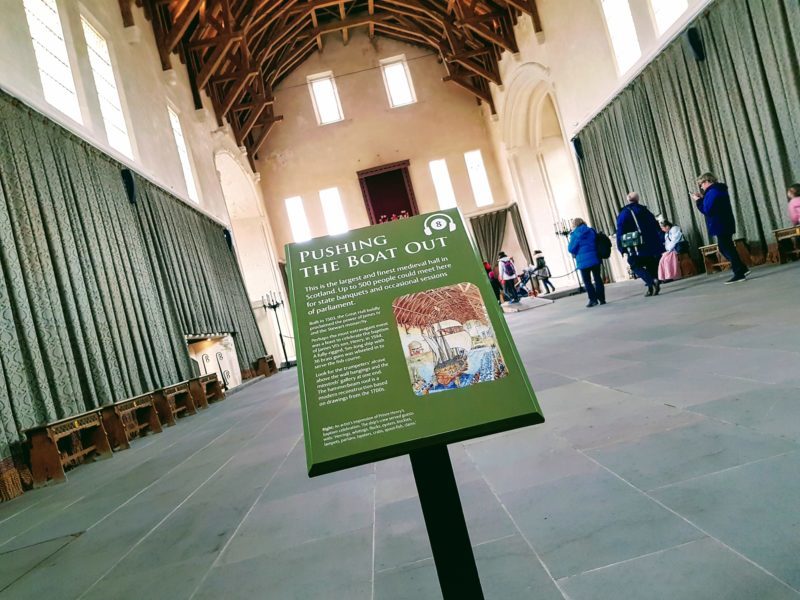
{"points": [[583, 246], [715, 203], [643, 259]]}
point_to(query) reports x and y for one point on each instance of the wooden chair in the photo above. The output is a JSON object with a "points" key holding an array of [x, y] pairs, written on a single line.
{"points": [[66, 443], [127, 419], [173, 402], [788, 243], [205, 389], [266, 366], [687, 266], [714, 261]]}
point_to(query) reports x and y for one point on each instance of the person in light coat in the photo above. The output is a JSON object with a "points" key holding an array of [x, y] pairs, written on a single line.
{"points": [[507, 273], [669, 267]]}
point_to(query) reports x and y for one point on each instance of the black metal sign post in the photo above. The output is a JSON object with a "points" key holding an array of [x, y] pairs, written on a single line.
{"points": [[444, 520]]}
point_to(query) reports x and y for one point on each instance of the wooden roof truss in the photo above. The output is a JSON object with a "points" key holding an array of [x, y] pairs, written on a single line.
{"points": [[238, 51]]}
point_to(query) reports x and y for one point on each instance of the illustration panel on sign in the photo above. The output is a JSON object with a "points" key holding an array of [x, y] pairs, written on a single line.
{"points": [[447, 339]]}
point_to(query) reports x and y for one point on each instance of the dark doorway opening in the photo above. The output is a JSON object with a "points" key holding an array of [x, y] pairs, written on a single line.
{"points": [[388, 192]]}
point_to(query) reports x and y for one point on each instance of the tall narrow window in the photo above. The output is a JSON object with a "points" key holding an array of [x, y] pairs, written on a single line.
{"points": [[622, 31], [107, 92], [52, 59], [297, 219], [478, 178], [442, 184], [666, 12], [333, 211], [325, 98], [398, 81], [183, 154]]}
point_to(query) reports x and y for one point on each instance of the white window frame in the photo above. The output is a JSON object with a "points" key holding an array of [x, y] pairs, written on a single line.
{"points": [[89, 19], [479, 181], [333, 211], [394, 60], [77, 116], [445, 194], [301, 230], [654, 14], [187, 167], [311, 79], [622, 69]]}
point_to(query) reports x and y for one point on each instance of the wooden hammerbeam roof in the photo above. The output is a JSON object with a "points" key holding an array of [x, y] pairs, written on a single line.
{"points": [[238, 51]]}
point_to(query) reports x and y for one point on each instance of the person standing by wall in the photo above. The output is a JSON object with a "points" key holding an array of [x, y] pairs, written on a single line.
{"points": [[793, 194], [583, 246], [639, 236], [714, 202], [508, 275]]}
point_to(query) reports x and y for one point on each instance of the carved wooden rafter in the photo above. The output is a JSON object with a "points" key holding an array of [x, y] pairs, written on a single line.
{"points": [[238, 51]]}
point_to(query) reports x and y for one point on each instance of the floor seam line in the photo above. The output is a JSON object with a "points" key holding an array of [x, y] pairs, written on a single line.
{"points": [[244, 518], [632, 559], [691, 523], [517, 527], [187, 498], [725, 470], [36, 565], [154, 482], [156, 526]]}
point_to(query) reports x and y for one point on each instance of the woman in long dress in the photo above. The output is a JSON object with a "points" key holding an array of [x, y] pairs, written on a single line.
{"points": [[669, 267]]}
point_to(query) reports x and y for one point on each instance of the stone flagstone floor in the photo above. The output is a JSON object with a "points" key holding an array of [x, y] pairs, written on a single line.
{"points": [[667, 468]]}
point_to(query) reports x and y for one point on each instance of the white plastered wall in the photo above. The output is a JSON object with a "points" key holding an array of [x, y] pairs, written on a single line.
{"points": [[301, 157], [254, 244]]}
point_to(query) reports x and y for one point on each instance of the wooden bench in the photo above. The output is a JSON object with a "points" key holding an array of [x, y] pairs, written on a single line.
{"points": [[174, 401], [66, 443], [266, 366], [714, 261], [687, 266], [205, 389], [788, 242], [127, 419]]}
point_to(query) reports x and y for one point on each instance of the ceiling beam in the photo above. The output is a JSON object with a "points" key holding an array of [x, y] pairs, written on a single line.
{"points": [[262, 137], [127, 13], [182, 11], [471, 88], [238, 50], [212, 65], [530, 8]]}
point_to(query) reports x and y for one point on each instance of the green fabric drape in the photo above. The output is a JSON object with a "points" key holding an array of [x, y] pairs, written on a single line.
{"points": [[736, 114], [81, 323], [489, 230], [198, 270], [520, 231], [96, 293]]}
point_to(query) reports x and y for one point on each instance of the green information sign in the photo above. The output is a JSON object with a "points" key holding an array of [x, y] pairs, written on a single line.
{"points": [[400, 343]]}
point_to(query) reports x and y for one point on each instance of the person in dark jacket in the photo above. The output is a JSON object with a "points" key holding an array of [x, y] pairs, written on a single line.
{"points": [[643, 259], [583, 247], [715, 203]]}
